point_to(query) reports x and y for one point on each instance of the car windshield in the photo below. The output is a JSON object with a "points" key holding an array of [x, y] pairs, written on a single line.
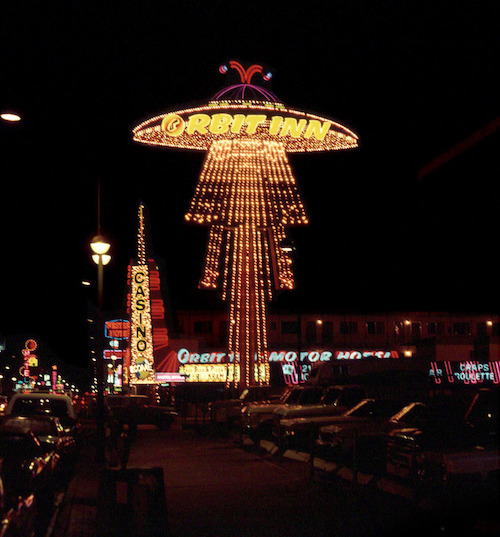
{"points": [[310, 396], [16, 446], [44, 428], [374, 409], [31, 407], [412, 415], [292, 396]]}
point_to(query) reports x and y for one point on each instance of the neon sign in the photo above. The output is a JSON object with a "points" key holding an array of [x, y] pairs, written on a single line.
{"points": [[213, 372], [469, 372], [185, 357], [117, 329], [197, 128], [114, 354], [169, 377], [141, 337], [221, 123]]}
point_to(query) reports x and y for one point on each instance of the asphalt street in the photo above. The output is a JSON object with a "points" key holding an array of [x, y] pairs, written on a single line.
{"points": [[215, 487]]}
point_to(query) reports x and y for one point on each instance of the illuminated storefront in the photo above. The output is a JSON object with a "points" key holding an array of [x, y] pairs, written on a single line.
{"points": [[247, 195]]}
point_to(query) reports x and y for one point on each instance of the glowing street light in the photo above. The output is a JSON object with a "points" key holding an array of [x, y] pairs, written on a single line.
{"points": [[10, 117]]}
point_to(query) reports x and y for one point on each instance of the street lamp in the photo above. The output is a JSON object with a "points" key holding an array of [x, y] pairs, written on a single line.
{"points": [[100, 248]]}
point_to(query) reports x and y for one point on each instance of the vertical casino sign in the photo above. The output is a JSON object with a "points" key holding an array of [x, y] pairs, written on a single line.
{"points": [[141, 335]]}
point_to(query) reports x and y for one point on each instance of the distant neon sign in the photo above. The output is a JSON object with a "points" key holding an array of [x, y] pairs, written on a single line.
{"points": [[169, 377], [468, 372], [117, 329], [114, 354], [186, 357]]}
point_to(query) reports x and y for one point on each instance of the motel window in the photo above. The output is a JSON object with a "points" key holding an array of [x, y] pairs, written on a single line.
{"points": [[416, 330], [461, 329], [289, 327], [435, 328], [311, 332], [202, 327], [348, 327], [327, 329], [223, 331], [481, 329], [375, 327]]}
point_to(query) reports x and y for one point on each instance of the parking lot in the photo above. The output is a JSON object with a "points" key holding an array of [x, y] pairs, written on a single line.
{"points": [[216, 485]]}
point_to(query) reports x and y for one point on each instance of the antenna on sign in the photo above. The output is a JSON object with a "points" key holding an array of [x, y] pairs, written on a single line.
{"points": [[246, 75], [141, 238]]}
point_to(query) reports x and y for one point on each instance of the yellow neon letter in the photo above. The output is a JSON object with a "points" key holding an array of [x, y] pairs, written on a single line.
{"points": [[173, 125], [316, 129], [275, 125], [198, 123], [253, 121], [237, 123], [220, 123], [291, 126]]}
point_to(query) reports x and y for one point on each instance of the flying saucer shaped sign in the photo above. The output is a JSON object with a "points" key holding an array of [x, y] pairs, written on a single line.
{"points": [[198, 128], [244, 111]]}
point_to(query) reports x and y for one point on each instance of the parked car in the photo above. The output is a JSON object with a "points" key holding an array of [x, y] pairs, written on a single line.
{"points": [[335, 400], [3, 403], [365, 435], [229, 410], [27, 469], [44, 404], [137, 410], [448, 445], [257, 418], [50, 433], [17, 515], [299, 432]]}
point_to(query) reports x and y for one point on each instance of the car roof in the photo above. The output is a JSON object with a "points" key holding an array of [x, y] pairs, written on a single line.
{"points": [[41, 395]]}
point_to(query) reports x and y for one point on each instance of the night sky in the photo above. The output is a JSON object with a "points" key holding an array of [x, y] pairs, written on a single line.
{"points": [[412, 78]]}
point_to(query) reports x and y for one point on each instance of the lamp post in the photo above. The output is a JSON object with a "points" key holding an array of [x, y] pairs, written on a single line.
{"points": [[100, 248]]}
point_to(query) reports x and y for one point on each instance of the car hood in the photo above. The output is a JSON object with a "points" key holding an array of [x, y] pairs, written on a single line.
{"points": [[296, 411], [262, 409], [316, 420], [350, 425]]}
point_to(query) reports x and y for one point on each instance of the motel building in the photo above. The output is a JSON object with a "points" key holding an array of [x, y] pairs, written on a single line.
{"points": [[439, 342]]}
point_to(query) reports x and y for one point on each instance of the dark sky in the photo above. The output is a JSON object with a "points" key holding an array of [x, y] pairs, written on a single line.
{"points": [[411, 78]]}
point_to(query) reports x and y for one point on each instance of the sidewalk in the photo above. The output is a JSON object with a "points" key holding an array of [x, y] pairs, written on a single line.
{"points": [[76, 516]]}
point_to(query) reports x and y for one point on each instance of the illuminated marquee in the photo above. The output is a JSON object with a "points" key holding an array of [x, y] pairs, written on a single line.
{"points": [[214, 372], [141, 337]]}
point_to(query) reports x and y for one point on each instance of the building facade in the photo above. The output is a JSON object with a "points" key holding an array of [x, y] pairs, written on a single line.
{"points": [[429, 335]]}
